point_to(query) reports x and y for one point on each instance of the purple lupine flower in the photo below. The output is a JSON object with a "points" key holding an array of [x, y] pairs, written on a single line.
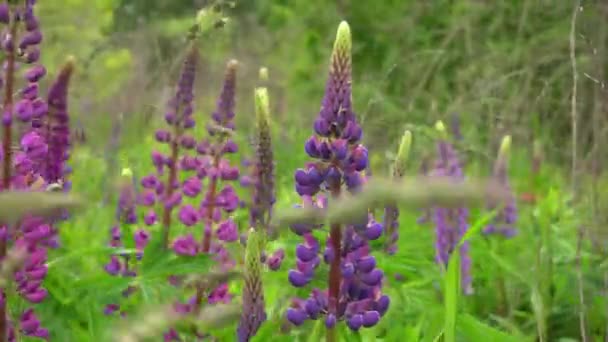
{"points": [[504, 222], [179, 117], [203, 166], [219, 198], [125, 264], [126, 208], [29, 325], [355, 284], [23, 164], [391, 211], [57, 129], [275, 260], [451, 224]]}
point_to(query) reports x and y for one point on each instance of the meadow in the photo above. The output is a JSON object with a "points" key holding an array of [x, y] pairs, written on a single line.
{"points": [[286, 170]]}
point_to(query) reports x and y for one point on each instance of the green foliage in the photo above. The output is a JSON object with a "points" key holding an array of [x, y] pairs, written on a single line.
{"points": [[503, 66]]}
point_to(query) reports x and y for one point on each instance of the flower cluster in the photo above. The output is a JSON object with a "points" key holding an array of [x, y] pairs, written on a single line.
{"points": [[195, 168], [354, 293], [169, 194], [263, 167], [36, 163], [210, 165], [219, 200], [451, 223], [124, 264], [506, 218], [261, 175]]}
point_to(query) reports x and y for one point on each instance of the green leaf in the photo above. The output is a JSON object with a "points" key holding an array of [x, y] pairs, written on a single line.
{"points": [[477, 227], [452, 293], [474, 330], [508, 267]]}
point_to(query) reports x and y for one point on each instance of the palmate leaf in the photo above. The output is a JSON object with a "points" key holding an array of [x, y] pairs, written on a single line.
{"points": [[159, 261], [157, 264]]}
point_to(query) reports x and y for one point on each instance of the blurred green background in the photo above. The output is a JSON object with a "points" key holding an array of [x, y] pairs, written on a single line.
{"points": [[503, 67]]}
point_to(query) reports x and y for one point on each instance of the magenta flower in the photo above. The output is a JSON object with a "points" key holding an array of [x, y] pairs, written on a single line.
{"points": [[33, 157]]}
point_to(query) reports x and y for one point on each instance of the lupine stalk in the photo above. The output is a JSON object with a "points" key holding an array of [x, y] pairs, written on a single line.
{"points": [[183, 159], [23, 165], [451, 224], [125, 264], [391, 211], [263, 168], [219, 168], [354, 283], [57, 130], [8, 18], [207, 161], [261, 177], [218, 203], [254, 311], [179, 117], [506, 218]]}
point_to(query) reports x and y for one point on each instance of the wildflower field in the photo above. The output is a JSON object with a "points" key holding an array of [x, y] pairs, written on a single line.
{"points": [[286, 170]]}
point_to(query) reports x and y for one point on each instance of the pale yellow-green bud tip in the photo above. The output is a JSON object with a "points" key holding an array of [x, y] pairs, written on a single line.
{"points": [[263, 74], [538, 147], [402, 154], [71, 59], [232, 64], [440, 127], [343, 39], [505, 146], [404, 146], [261, 104], [126, 172]]}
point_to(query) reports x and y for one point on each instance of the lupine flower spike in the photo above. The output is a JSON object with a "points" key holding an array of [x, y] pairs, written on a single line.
{"points": [[164, 187], [263, 168], [254, 311], [262, 176], [179, 117], [391, 212], [354, 293], [450, 223], [219, 200], [504, 222], [125, 264], [28, 164]]}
